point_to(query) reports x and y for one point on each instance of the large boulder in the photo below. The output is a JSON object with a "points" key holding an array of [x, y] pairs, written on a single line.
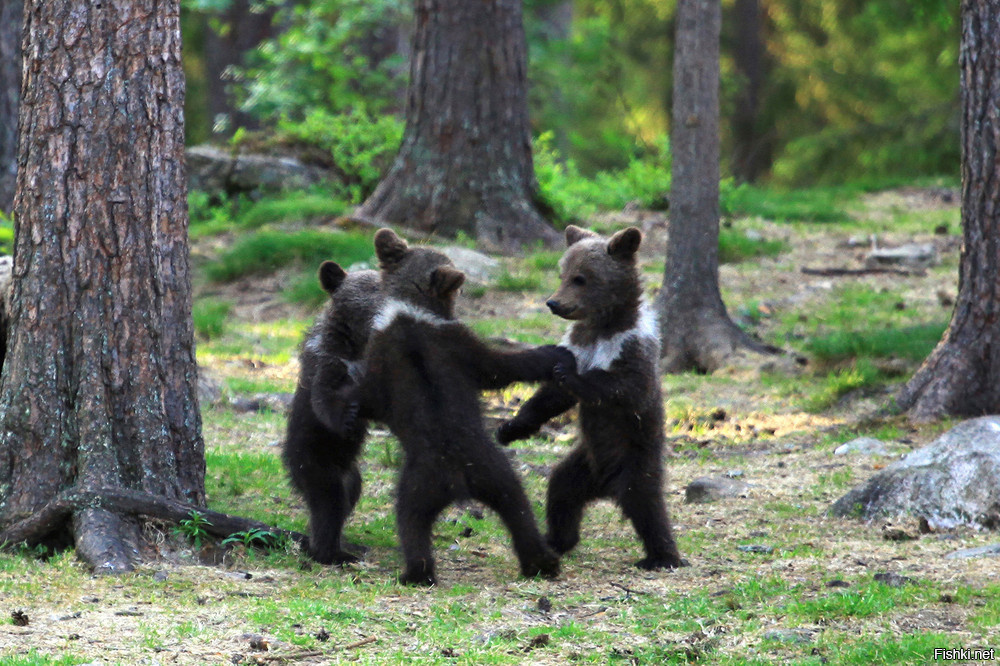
{"points": [[953, 481], [225, 172]]}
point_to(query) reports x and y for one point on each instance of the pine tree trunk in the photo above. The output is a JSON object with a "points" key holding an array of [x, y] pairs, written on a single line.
{"points": [[697, 331], [99, 386], [752, 149], [10, 92], [465, 161], [960, 375]]}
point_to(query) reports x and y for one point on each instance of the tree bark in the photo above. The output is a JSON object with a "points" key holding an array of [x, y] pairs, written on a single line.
{"points": [[10, 94], [959, 377], [697, 332], [465, 161], [99, 385]]}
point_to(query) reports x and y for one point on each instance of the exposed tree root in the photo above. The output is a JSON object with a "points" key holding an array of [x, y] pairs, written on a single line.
{"points": [[105, 538]]}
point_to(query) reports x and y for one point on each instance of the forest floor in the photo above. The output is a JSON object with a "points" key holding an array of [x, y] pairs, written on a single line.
{"points": [[772, 577]]}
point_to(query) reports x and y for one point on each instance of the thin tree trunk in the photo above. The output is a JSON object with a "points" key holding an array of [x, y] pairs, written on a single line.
{"points": [[465, 161], [697, 331], [10, 93], [99, 385], [751, 142], [241, 31], [960, 375]]}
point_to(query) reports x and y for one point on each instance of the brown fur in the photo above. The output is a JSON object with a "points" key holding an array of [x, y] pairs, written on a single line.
{"points": [[322, 464], [425, 371], [615, 344]]}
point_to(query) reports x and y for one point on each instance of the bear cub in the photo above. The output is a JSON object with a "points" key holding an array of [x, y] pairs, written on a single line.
{"points": [[322, 464], [615, 380], [424, 373]]}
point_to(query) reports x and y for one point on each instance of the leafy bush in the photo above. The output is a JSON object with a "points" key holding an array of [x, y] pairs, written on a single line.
{"points": [[268, 250], [322, 60], [210, 317], [360, 145], [736, 246], [571, 196]]}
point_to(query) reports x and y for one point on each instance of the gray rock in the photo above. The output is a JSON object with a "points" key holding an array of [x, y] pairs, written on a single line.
{"points": [[993, 550], [793, 636], [868, 446], [209, 388], [477, 266], [712, 488], [213, 170], [953, 481], [913, 255]]}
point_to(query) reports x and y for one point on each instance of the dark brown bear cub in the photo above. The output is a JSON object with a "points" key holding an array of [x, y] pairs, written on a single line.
{"points": [[616, 381], [322, 465], [424, 373]]}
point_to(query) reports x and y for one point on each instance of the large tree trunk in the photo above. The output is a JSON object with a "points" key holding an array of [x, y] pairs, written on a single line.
{"points": [[465, 161], [960, 375], [99, 386], [697, 332], [10, 93]]}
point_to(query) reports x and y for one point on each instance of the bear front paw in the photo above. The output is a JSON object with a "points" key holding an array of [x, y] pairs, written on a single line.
{"points": [[511, 431]]}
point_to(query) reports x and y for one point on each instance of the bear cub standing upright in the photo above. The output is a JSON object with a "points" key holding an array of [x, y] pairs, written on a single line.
{"points": [[424, 373], [616, 381], [322, 464]]}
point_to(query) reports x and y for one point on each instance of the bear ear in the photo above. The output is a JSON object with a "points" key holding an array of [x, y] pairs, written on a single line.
{"points": [[445, 280], [389, 248], [574, 234], [331, 276], [625, 243]]}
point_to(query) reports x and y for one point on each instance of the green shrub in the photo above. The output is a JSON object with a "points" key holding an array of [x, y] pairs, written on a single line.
{"points": [[361, 146], [291, 207], [268, 250], [736, 246], [210, 317]]}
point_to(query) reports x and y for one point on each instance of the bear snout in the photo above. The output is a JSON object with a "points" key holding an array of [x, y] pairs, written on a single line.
{"points": [[558, 308]]}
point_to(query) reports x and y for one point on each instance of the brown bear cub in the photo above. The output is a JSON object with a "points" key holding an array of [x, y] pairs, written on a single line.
{"points": [[322, 465], [616, 381], [424, 373]]}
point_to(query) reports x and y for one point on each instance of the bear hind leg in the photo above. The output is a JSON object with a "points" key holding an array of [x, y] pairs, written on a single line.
{"points": [[494, 483], [422, 495], [571, 487], [641, 500]]}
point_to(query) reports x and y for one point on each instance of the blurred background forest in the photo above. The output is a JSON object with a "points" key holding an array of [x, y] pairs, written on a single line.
{"points": [[814, 92]]}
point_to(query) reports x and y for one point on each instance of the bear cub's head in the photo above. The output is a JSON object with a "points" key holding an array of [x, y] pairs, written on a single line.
{"points": [[600, 279], [418, 276]]}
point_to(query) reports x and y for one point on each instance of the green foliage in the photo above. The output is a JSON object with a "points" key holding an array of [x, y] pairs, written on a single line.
{"points": [[267, 250], [320, 61], [193, 528], [209, 217], [736, 246], [209, 316], [6, 233], [572, 196], [257, 538], [360, 146], [814, 204]]}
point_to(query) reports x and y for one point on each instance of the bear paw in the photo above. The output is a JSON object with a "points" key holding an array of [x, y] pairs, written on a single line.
{"points": [[653, 563]]}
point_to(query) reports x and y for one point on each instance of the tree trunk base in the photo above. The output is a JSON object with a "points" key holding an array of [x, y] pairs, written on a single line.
{"points": [[505, 223], [104, 526], [953, 381], [706, 341]]}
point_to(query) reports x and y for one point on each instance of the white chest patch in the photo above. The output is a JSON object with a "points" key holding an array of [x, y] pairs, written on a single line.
{"points": [[601, 354], [393, 308]]}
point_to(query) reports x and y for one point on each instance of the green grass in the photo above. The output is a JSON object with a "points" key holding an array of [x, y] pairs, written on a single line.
{"points": [[240, 214], [861, 374], [815, 204], [265, 251], [912, 343]]}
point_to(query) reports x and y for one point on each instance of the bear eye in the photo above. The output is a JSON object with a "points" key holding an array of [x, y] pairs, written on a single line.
{"points": [[579, 280]]}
